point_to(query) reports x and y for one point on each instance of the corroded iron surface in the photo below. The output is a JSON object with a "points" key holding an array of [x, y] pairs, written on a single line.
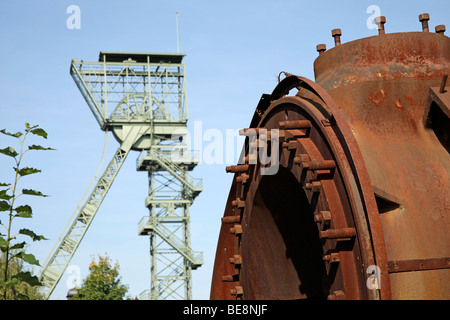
{"points": [[359, 206]]}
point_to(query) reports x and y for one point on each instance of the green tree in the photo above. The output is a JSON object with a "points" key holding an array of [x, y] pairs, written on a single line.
{"points": [[103, 282], [11, 279]]}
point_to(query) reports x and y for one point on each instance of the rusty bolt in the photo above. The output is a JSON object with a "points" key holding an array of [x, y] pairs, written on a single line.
{"points": [[440, 29], [229, 278], [321, 48], [238, 203], [237, 291], [380, 21], [424, 17], [237, 259], [337, 233], [242, 178], [237, 229], [324, 217], [333, 257], [336, 33], [231, 219], [337, 295], [314, 186]]}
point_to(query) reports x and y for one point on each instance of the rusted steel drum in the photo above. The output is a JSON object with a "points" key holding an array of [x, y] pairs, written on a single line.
{"points": [[358, 206]]}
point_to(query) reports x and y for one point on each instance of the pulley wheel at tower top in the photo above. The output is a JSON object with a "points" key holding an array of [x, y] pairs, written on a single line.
{"points": [[139, 107]]}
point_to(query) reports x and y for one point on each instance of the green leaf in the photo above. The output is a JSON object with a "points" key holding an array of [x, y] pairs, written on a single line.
{"points": [[40, 132], [31, 234], [26, 171], [23, 211], [4, 206], [12, 282], [33, 192], [4, 196], [9, 151], [4, 184], [37, 147], [28, 278], [27, 257], [15, 135], [20, 245], [3, 244]]}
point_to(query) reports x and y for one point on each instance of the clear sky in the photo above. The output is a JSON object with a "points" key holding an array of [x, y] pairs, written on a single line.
{"points": [[235, 50]]}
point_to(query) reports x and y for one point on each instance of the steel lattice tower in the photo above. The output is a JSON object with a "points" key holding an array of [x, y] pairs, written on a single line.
{"points": [[141, 98]]}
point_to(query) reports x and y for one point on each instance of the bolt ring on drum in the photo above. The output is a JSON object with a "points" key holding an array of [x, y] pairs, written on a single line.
{"points": [[311, 230]]}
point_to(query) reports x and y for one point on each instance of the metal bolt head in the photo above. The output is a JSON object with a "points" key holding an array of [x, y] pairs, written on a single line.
{"points": [[380, 20], [336, 32], [440, 28], [321, 48], [424, 17]]}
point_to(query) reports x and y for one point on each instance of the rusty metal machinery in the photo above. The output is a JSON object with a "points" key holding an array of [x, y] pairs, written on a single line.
{"points": [[359, 205]]}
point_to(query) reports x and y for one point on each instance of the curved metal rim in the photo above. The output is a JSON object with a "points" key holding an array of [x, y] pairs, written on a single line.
{"points": [[355, 157], [348, 154]]}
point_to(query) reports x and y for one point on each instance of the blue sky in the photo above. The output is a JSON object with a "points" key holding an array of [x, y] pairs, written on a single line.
{"points": [[235, 50]]}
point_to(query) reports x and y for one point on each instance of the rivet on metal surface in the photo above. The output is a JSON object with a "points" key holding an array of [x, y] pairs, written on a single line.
{"points": [[338, 233], [324, 217], [380, 21], [440, 29], [333, 257], [337, 295], [326, 122], [237, 291], [321, 48], [236, 230], [237, 168], [231, 219], [424, 17], [336, 33], [443, 83]]}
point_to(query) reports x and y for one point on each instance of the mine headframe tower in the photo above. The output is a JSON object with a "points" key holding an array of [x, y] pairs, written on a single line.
{"points": [[141, 99]]}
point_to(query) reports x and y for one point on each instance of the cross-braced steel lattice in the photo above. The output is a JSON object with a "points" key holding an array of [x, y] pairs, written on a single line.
{"points": [[141, 98]]}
